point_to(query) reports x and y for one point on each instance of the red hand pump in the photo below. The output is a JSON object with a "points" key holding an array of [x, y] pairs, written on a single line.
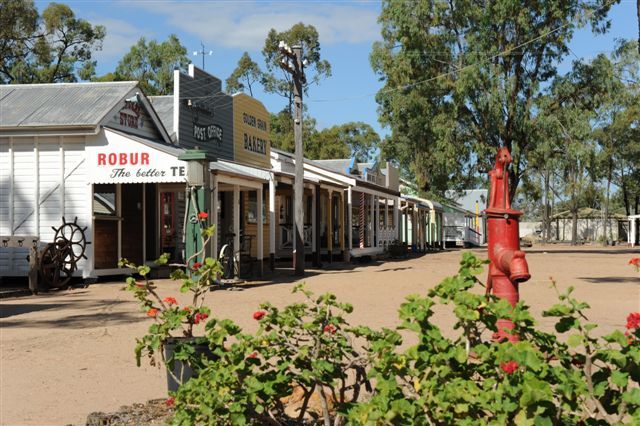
{"points": [[508, 267]]}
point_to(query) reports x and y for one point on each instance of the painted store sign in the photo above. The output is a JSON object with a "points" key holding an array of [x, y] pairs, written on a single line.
{"points": [[124, 160], [251, 131], [205, 113], [132, 117]]}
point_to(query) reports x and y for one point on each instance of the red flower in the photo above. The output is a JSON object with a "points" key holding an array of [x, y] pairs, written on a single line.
{"points": [[329, 328], [252, 355], [199, 317], [509, 367], [170, 401], [203, 215], [635, 262], [633, 320], [170, 300], [152, 312], [258, 315], [187, 310], [196, 266]]}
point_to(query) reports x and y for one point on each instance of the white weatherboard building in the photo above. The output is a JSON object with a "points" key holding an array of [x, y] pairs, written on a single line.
{"points": [[95, 151]]}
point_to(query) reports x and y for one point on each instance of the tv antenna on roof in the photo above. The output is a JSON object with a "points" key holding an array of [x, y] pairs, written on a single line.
{"points": [[203, 53]]}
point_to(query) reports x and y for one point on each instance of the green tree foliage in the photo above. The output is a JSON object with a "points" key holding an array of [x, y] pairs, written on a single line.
{"points": [[277, 80], [281, 131], [54, 47], [618, 128], [587, 123], [152, 64], [569, 119], [246, 74], [460, 78], [341, 141], [344, 141]]}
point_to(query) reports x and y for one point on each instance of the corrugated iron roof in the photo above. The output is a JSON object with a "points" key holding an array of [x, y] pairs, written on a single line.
{"points": [[59, 104], [164, 108]]}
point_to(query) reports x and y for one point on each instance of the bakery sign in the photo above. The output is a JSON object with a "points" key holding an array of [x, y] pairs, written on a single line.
{"points": [[124, 160]]}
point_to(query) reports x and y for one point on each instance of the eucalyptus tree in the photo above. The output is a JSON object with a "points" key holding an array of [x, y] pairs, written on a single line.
{"points": [[244, 76], [49, 48], [618, 129], [152, 64], [571, 115], [461, 77], [353, 139], [627, 175], [316, 69]]}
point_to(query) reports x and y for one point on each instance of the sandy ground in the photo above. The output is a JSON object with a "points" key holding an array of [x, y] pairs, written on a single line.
{"points": [[66, 354]]}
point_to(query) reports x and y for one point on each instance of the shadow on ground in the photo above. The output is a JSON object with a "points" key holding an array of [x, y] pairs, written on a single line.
{"points": [[77, 322], [583, 251], [611, 280]]}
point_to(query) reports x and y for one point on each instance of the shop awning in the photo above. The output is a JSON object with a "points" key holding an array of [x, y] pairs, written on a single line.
{"points": [[240, 170], [125, 158]]}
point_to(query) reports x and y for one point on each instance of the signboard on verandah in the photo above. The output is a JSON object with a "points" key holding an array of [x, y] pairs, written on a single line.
{"points": [[125, 160]]}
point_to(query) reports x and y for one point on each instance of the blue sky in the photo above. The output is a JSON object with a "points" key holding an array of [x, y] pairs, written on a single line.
{"points": [[347, 30]]}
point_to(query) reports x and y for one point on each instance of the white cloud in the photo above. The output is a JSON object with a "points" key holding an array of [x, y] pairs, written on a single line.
{"points": [[244, 25], [121, 35]]}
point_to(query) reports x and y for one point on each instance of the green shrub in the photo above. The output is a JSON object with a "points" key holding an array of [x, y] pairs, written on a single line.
{"points": [[467, 379]]}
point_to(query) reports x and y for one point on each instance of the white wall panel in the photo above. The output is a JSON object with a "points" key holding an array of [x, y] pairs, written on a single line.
{"points": [[24, 187], [50, 190], [24, 195], [76, 201], [5, 191], [5, 186]]}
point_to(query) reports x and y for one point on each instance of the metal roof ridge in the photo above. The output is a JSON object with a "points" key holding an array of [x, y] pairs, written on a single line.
{"points": [[71, 84]]}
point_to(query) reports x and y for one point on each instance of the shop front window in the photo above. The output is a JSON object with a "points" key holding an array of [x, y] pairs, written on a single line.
{"points": [[252, 212], [104, 200]]}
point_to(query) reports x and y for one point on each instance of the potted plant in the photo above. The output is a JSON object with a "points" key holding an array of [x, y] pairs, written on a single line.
{"points": [[170, 338]]}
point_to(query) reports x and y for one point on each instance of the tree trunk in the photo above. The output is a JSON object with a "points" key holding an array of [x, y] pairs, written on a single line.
{"points": [[545, 212], [574, 211], [625, 195], [605, 241], [574, 227], [551, 210]]}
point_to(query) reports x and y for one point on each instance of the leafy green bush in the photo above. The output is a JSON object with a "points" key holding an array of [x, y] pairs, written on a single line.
{"points": [[304, 349], [309, 348], [173, 322], [471, 379]]}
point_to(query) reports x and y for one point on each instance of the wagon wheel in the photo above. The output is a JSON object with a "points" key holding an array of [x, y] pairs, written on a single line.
{"points": [[74, 234], [56, 269]]}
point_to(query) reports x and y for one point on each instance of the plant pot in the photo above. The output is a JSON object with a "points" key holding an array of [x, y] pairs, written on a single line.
{"points": [[184, 356]]}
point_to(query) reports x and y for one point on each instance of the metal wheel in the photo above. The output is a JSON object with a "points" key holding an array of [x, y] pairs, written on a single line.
{"points": [[74, 234], [56, 265], [226, 260]]}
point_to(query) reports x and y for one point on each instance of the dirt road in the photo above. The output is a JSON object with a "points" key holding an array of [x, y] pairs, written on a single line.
{"points": [[69, 353]]}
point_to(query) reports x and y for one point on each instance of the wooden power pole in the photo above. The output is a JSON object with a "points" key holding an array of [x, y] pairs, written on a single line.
{"points": [[293, 64]]}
